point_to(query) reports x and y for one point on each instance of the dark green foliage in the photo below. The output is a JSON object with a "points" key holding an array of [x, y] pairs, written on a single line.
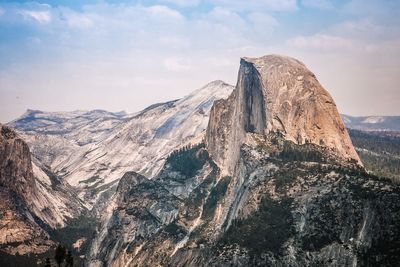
{"points": [[375, 141], [69, 260], [28, 260], [385, 248], [174, 230], [199, 194], [55, 180], [307, 152], [285, 178], [82, 226], [267, 229], [379, 152], [217, 193], [47, 263], [188, 160], [382, 165], [329, 219], [59, 254]]}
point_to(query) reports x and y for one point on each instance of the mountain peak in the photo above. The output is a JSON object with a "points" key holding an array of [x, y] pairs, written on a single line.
{"points": [[276, 94], [274, 60], [215, 83]]}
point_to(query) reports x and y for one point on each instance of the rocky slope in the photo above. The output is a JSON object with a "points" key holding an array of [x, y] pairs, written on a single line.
{"points": [[276, 94], [54, 136], [293, 206], [93, 150], [277, 183], [33, 200]]}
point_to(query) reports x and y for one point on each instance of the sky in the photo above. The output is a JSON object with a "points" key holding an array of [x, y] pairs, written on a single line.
{"points": [[66, 55]]}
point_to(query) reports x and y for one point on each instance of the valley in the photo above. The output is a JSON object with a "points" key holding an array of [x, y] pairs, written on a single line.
{"points": [[261, 174]]}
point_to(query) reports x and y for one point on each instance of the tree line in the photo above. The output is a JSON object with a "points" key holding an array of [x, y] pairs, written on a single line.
{"points": [[62, 257]]}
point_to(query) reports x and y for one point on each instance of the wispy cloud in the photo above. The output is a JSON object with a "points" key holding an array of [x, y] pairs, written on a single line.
{"points": [[164, 12], [183, 3], [127, 54], [257, 5], [75, 19], [38, 16]]}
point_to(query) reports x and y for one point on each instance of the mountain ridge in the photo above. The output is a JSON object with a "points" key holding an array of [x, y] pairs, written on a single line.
{"points": [[238, 177], [276, 94], [276, 202], [372, 123], [32, 201], [92, 152]]}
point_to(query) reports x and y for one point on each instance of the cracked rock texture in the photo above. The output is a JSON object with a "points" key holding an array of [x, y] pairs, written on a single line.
{"points": [[275, 94], [277, 183], [32, 200]]}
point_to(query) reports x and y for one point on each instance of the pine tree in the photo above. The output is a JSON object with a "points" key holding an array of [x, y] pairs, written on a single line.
{"points": [[60, 254], [48, 264], [69, 259]]}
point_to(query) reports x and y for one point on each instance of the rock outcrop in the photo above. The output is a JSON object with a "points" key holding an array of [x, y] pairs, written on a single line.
{"points": [[277, 183], [92, 150], [18, 230], [15, 164], [276, 94], [32, 199], [288, 205]]}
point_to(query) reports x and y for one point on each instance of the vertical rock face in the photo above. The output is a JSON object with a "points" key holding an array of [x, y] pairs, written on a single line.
{"points": [[92, 150], [276, 94], [30, 200], [15, 164], [276, 184], [18, 230]]}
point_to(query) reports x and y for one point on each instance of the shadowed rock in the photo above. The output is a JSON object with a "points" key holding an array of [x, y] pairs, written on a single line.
{"points": [[276, 94]]}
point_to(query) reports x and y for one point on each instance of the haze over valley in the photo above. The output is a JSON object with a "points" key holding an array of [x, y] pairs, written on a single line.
{"points": [[199, 133]]}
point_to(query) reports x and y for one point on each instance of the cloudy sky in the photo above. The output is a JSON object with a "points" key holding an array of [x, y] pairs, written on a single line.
{"points": [[125, 55]]}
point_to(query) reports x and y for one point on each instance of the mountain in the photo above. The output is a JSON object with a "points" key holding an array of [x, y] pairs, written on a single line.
{"points": [[276, 94], [55, 136], [372, 123], [33, 200], [92, 150], [275, 182]]}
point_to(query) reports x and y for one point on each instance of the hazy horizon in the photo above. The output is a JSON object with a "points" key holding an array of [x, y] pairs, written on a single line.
{"points": [[126, 55]]}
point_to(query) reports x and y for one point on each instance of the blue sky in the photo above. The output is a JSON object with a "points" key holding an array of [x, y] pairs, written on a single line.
{"points": [[125, 55]]}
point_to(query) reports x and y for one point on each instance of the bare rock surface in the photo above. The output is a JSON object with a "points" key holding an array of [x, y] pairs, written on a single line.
{"points": [[277, 183], [32, 199], [276, 94], [92, 150]]}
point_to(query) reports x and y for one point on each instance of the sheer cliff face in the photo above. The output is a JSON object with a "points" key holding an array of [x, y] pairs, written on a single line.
{"points": [[18, 230], [92, 150], [16, 167], [272, 186], [276, 94], [30, 201]]}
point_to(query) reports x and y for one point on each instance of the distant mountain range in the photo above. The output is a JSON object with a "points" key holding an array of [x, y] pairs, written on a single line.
{"points": [[51, 187], [261, 174], [92, 150], [275, 182], [372, 123]]}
